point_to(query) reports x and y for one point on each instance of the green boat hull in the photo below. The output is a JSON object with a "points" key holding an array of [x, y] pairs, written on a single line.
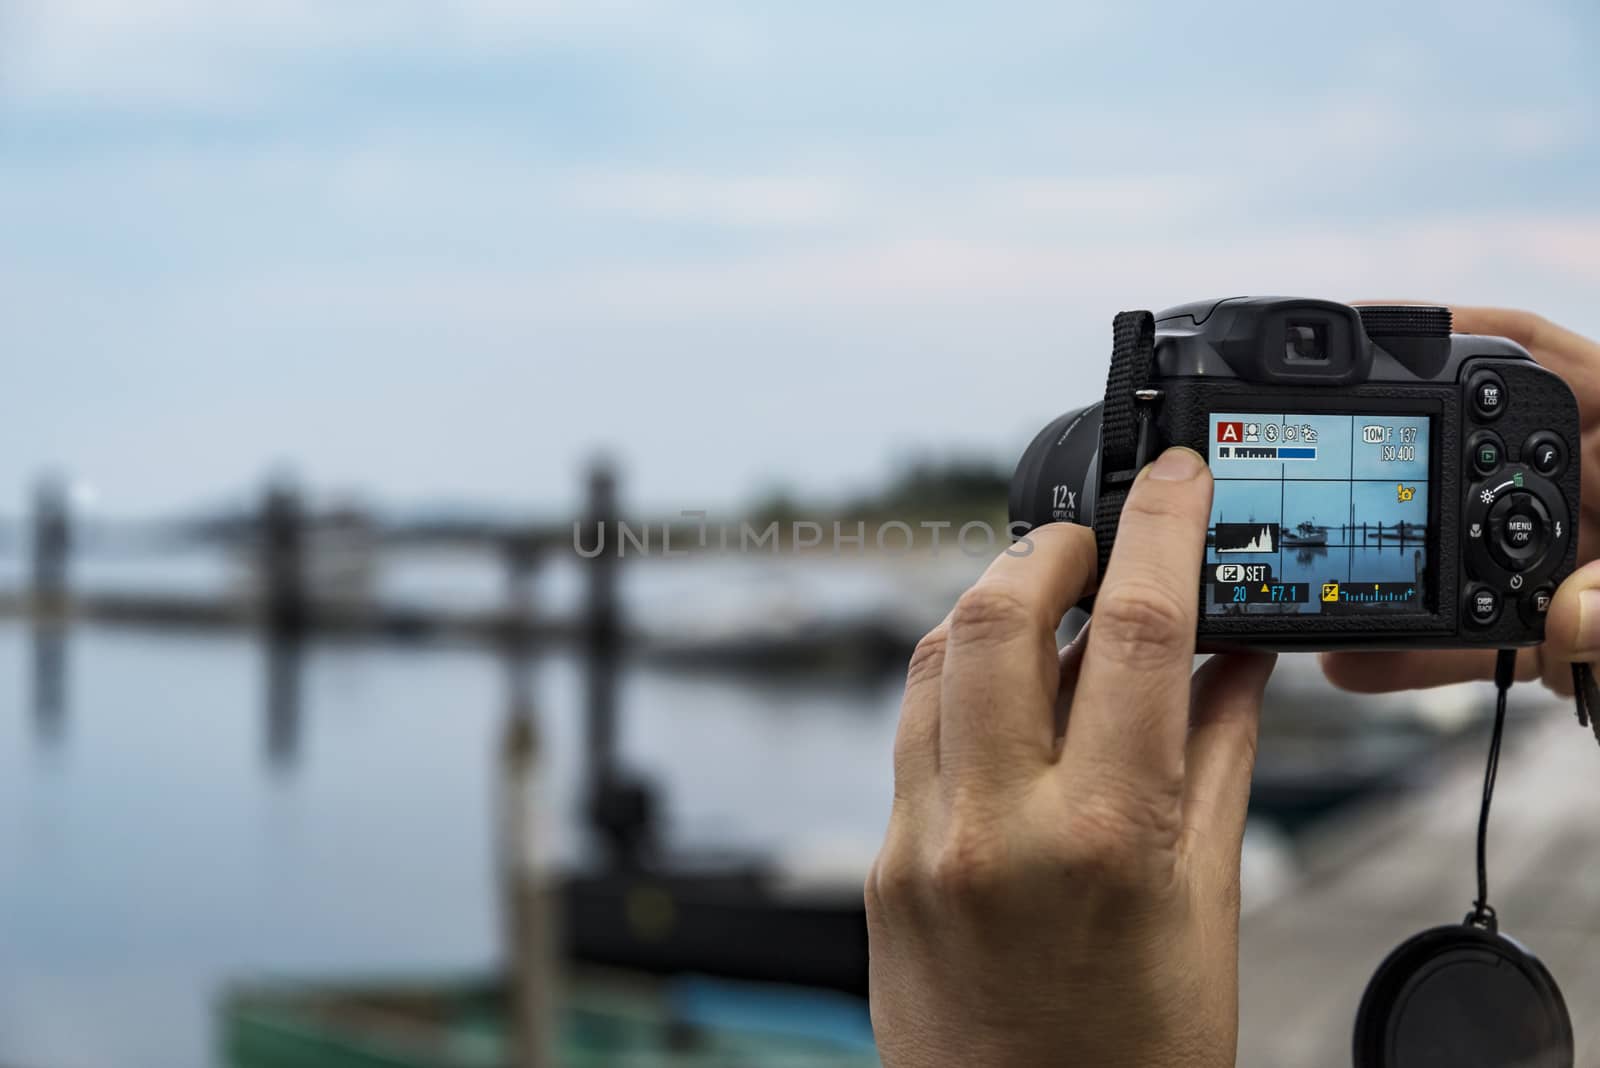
{"points": [[609, 1021]]}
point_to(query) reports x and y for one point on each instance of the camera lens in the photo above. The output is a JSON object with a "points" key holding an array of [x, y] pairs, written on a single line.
{"points": [[1305, 342], [1055, 479]]}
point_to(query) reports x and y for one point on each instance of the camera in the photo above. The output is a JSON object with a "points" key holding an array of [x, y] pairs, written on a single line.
{"points": [[1380, 481]]}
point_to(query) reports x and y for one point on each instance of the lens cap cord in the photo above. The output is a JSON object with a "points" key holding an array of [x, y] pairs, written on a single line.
{"points": [[1464, 994], [1505, 673], [1586, 698]]}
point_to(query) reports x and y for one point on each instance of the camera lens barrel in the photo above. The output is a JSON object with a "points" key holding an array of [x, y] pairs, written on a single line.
{"points": [[1056, 478]]}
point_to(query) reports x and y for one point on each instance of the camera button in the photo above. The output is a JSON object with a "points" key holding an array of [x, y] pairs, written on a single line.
{"points": [[1487, 452], [1535, 605], [1519, 530], [1483, 605], [1488, 395], [1545, 452]]}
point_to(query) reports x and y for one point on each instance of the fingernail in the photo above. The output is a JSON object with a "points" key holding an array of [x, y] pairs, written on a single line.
{"points": [[1177, 464], [1588, 638]]}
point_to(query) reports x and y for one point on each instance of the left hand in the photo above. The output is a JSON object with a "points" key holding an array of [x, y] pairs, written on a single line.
{"points": [[1572, 627]]}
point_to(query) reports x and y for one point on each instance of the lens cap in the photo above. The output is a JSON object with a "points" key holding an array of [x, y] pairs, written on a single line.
{"points": [[1462, 997]]}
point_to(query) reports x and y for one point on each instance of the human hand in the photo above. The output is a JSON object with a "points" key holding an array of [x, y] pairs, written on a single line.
{"points": [[1059, 884], [1572, 626]]}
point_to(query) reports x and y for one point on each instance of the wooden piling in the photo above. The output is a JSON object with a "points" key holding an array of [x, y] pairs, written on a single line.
{"points": [[52, 539], [48, 600], [528, 881], [620, 807], [281, 561]]}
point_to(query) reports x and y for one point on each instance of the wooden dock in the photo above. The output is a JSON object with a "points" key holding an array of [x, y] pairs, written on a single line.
{"points": [[1393, 868]]}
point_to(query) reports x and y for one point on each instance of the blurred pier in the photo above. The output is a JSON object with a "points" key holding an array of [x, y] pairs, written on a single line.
{"points": [[279, 542], [304, 573]]}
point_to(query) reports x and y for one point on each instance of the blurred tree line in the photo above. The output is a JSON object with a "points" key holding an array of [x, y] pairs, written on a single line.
{"points": [[955, 490]]}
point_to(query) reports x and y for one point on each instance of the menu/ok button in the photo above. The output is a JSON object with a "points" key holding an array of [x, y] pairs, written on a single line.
{"points": [[1518, 530]]}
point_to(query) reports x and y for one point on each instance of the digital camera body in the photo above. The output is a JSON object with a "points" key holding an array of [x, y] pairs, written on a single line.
{"points": [[1379, 481]]}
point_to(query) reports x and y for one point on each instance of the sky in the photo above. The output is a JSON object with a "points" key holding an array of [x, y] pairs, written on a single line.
{"points": [[445, 253]]}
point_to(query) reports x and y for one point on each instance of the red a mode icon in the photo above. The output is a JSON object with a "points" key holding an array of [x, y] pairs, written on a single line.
{"points": [[1233, 432]]}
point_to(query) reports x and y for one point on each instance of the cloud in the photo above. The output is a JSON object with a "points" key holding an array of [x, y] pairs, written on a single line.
{"points": [[1518, 258], [237, 56], [579, 221], [776, 200]]}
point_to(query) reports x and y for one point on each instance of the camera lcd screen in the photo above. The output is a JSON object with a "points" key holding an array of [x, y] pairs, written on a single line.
{"points": [[1318, 513]]}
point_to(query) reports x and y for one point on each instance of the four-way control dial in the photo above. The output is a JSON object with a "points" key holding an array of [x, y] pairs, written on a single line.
{"points": [[1517, 528]]}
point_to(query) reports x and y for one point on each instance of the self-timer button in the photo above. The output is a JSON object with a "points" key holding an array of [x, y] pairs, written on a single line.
{"points": [[1488, 395]]}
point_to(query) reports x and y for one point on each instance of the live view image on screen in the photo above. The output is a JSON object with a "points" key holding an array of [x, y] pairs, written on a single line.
{"points": [[1317, 513]]}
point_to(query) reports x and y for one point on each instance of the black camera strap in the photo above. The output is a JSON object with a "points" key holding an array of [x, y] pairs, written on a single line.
{"points": [[1132, 362], [1586, 696]]}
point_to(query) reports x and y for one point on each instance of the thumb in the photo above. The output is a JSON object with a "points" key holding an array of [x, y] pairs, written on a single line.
{"points": [[1572, 626]]}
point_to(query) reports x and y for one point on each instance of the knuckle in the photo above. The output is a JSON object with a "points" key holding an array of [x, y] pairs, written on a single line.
{"points": [[969, 867], [927, 659], [1131, 816], [1074, 542], [987, 614], [870, 894], [1141, 623], [1119, 843], [1097, 857], [893, 882]]}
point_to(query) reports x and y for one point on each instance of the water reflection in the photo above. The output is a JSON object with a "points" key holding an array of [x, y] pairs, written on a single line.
{"points": [[284, 657], [49, 679]]}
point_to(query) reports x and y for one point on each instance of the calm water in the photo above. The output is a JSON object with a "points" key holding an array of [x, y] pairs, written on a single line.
{"points": [[158, 838]]}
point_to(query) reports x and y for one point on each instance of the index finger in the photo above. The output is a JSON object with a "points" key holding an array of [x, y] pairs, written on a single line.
{"points": [[1572, 356], [1130, 714], [1392, 670], [1001, 667]]}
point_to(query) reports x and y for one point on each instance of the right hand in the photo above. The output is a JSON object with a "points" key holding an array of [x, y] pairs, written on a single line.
{"points": [[1060, 880], [1572, 626]]}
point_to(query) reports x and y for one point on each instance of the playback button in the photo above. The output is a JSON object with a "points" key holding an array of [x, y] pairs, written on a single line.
{"points": [[1487, 452]]}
